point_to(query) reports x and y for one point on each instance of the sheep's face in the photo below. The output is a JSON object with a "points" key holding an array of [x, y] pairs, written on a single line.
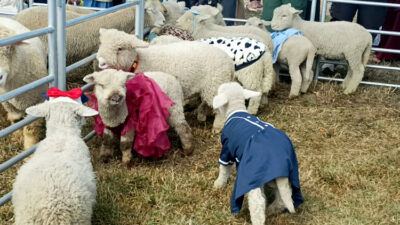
{"points": [[156, 18], [118, 49], [157, 4], [109, 86], [283, 17]]}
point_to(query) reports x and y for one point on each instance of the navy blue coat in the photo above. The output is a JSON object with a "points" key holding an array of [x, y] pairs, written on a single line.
{"points": [[262, 153]]}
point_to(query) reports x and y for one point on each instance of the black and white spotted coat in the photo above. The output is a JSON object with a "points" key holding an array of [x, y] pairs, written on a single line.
{"points": [[243, 51]]}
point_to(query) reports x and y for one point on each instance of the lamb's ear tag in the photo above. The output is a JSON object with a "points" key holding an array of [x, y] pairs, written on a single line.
{"points": [[3, 79]]}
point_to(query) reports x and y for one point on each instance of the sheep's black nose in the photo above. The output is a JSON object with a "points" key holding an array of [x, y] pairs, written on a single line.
{"points": [[115, 99]]}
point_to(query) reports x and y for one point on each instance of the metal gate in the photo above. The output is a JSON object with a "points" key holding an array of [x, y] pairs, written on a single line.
{"points": [[56, 32]]}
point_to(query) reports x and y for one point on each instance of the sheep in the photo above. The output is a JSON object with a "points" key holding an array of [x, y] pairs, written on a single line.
{"points": [[335, 40], [298, 53], [110, 83], [263, 154], [200, 68], [82, 39], [57, 185], [259, 76], [21, 63]]}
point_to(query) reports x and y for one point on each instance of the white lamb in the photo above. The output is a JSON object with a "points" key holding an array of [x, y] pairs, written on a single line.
{"points": [[259, 76], [200, 68], [333, 40], [298, 53], [110, 85], [263, 155], [21, 63], [82, 39], [57, 185]]}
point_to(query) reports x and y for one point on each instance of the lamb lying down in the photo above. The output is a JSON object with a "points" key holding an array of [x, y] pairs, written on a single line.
{"points": [[265, 154], [124, 110]]}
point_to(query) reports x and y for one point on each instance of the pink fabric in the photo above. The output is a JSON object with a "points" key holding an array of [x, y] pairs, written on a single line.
{"points": [[392, 23], [147, 113]]}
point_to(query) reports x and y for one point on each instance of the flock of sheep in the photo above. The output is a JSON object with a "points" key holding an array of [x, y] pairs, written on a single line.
{"points": [[186, 68]]}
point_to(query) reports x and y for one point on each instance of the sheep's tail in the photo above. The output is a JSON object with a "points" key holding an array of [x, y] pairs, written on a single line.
{"points": [[366, 53], [269, 76], [309, 64]]}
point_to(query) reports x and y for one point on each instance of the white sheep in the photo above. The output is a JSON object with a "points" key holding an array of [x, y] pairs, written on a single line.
{"points": [[82, 39], [57, 185], [298, 53], [200, 68], [259, 76], [333, 40], [21, 63], [110, 83], [263, 155]]}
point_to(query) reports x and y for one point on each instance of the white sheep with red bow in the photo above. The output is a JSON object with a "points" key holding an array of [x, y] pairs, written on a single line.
{"points": [[57, 185]]}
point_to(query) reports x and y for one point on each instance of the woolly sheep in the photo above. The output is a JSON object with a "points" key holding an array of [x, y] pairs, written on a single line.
{"points": [[334, 40], [82, 39], [111, 82], [57, 185], [21, 63], [298, 53], [258, 163], [200, 68], [259, 76]]}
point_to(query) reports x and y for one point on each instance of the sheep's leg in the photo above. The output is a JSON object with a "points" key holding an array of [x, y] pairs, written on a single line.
{"points": [[254, 103], [31, 134], [224, 173], [219, 122], [257, 203], [126, 145], [202, 111], [283, 196], [106, 149], [182, 128], [307, 72], [295, 76], [357, 72]]}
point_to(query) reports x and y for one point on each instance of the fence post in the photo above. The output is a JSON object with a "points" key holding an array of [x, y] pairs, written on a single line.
{"points": [[61, 26], [52, 42], [139, 20]]}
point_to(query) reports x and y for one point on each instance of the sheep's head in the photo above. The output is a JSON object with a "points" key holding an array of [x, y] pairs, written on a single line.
{"points": [[257, 22], [109, 86], [6, 54], [283, 17], [118, 49], [231, 92], [155, 17], [157, 4], [186, 21]]}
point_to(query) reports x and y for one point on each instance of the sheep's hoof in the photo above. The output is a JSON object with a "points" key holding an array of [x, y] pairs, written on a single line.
{"points": [[105, 158], [201, 117], [128, 164], [219, 184], [188, 151], [292, 96]]}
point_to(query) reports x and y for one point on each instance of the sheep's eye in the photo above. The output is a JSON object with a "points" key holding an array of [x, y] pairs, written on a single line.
{"points": [[100, 85], [284, 15], [120, 49]]}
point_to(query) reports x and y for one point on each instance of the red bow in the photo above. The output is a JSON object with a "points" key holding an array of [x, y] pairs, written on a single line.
{"points": [[55, 92]]}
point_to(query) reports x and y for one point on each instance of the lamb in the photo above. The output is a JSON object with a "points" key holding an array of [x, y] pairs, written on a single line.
{"points": [[259, 76], [82, 39], [199, 73], [21, 63], [110, 83], [298, 53], [334, 40], [265, 154], [57, 185]]}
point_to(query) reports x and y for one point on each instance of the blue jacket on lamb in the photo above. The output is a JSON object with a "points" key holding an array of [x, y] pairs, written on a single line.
{"points": [[262, 153]]}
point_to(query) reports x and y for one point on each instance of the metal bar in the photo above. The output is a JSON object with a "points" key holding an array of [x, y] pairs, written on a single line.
{"points": [[82, 7], [89, 136], [139, 20], [386, 50], [324, 6], [20, 5], [313, 10], [52, 41], [384, 32], [80, 63], [366, 3], [87, 87], [25, 88], [61, 43], [30, 3], [362, 82], [8, 130], [5, 198], [369, 65], [16, 159], [235, 20], [100, 13], [24, 36]]}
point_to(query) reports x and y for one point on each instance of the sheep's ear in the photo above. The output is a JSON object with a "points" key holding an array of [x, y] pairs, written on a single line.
{"points": [[137, 43], [202, 18], [85, 111], [266, 23], [289, 4], [39, 110], [219, 101], [250, 94], [219, 7], [89, 79], [214, 11], [296, 12]]}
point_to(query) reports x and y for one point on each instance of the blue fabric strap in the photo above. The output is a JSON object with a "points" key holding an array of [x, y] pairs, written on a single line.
{"points": [[195, 13]]}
